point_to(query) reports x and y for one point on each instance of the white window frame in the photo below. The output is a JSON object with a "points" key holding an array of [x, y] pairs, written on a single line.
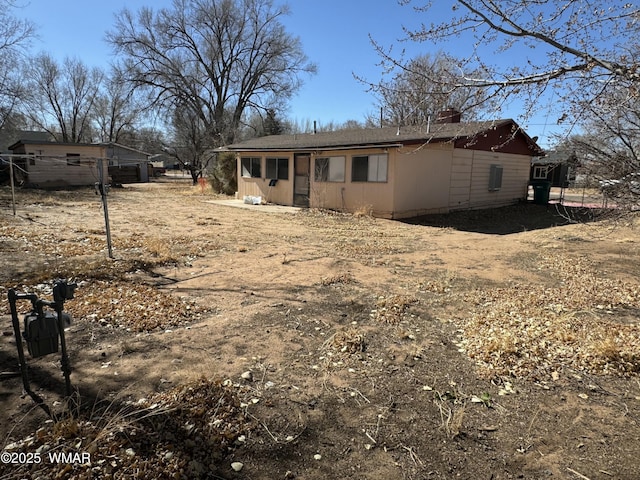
{"points": [[540, 172]]}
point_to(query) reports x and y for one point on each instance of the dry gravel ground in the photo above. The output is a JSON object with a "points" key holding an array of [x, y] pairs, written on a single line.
{"points": [[232, 343]]}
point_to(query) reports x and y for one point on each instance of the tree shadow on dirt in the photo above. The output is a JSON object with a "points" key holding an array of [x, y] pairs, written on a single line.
{"points": [[513, 219]]}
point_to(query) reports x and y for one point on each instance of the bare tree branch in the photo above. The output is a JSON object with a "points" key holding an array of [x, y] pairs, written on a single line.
{"points": [[572, 46]]}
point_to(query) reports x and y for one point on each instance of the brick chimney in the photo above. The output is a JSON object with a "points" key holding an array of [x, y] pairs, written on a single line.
{"points": [[450, 115]]}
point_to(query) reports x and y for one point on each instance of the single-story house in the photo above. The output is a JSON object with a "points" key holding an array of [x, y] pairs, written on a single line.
{"points": [[556, 167], [391, 172], [48, 164]]}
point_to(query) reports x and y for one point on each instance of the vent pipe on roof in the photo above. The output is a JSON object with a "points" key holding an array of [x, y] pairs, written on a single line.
{"points": [[314, 127]]}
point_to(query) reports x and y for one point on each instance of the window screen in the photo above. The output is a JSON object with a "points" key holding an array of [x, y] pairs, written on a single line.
{"points": [[369, 168], [278, 168], [329, 169]]}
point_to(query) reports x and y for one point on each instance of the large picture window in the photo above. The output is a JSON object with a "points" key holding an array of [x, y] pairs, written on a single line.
{"points": [[369, 168], [278, 168], [250, 167], [330, 169]]}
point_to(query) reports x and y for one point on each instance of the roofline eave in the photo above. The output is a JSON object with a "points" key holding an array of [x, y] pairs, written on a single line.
{"points": [[311, 148]]}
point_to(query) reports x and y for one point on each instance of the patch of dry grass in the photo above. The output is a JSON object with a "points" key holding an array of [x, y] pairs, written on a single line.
{"points": [[181, 433], [338, 279], [350, 340], [363, 211], [392, 308]]}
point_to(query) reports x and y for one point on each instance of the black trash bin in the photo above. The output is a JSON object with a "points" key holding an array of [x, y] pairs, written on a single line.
{"points": [[541, 191]]}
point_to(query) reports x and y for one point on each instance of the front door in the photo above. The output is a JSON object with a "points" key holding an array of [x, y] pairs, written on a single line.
{"points": [[302, 171]]}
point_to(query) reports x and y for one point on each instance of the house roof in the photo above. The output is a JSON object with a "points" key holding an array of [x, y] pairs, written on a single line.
{"points": [[48, 142], [388, 136], [555, 157], [70, 144], [119, 145]]}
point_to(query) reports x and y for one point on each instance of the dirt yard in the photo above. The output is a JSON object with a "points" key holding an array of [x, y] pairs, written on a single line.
{"points": [[250, 343]]}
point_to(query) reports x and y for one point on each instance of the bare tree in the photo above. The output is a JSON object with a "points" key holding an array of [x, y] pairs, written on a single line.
{"points": [[421, 88], [15, 34], [117, 110], [190, 142], [258, 124], [148, 139], [580, 48], [215, 59], [609, 149], [314, 126], [62, 97]]}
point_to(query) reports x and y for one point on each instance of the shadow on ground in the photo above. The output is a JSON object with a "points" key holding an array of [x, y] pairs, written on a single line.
{"points": [[507, 220]]}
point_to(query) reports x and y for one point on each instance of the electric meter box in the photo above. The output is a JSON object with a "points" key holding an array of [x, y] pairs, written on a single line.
{"points": [[41, 333]]}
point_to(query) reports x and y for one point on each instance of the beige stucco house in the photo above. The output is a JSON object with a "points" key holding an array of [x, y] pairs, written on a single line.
{"points": [[48, 164], [391, 172]]}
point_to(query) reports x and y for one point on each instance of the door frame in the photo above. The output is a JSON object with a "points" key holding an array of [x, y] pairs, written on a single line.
{"points": [[301, 179]]}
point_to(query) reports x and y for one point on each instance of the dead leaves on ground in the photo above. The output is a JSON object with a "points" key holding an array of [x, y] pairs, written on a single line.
{"points": [[122, 304], [132, 306], [338, 279], [525, 330], [353, 236]]}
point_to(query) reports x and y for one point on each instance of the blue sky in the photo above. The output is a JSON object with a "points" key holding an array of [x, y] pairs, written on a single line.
{"points": [[334, 35]]}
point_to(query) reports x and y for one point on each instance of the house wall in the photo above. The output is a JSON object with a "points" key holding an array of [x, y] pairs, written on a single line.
{"points": [[440, 178], [435, 178], [461, 175], [125, 157], [348, 196], [372, 197], [423, 178], [280, 194], [49, 168], [515, 178]]}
